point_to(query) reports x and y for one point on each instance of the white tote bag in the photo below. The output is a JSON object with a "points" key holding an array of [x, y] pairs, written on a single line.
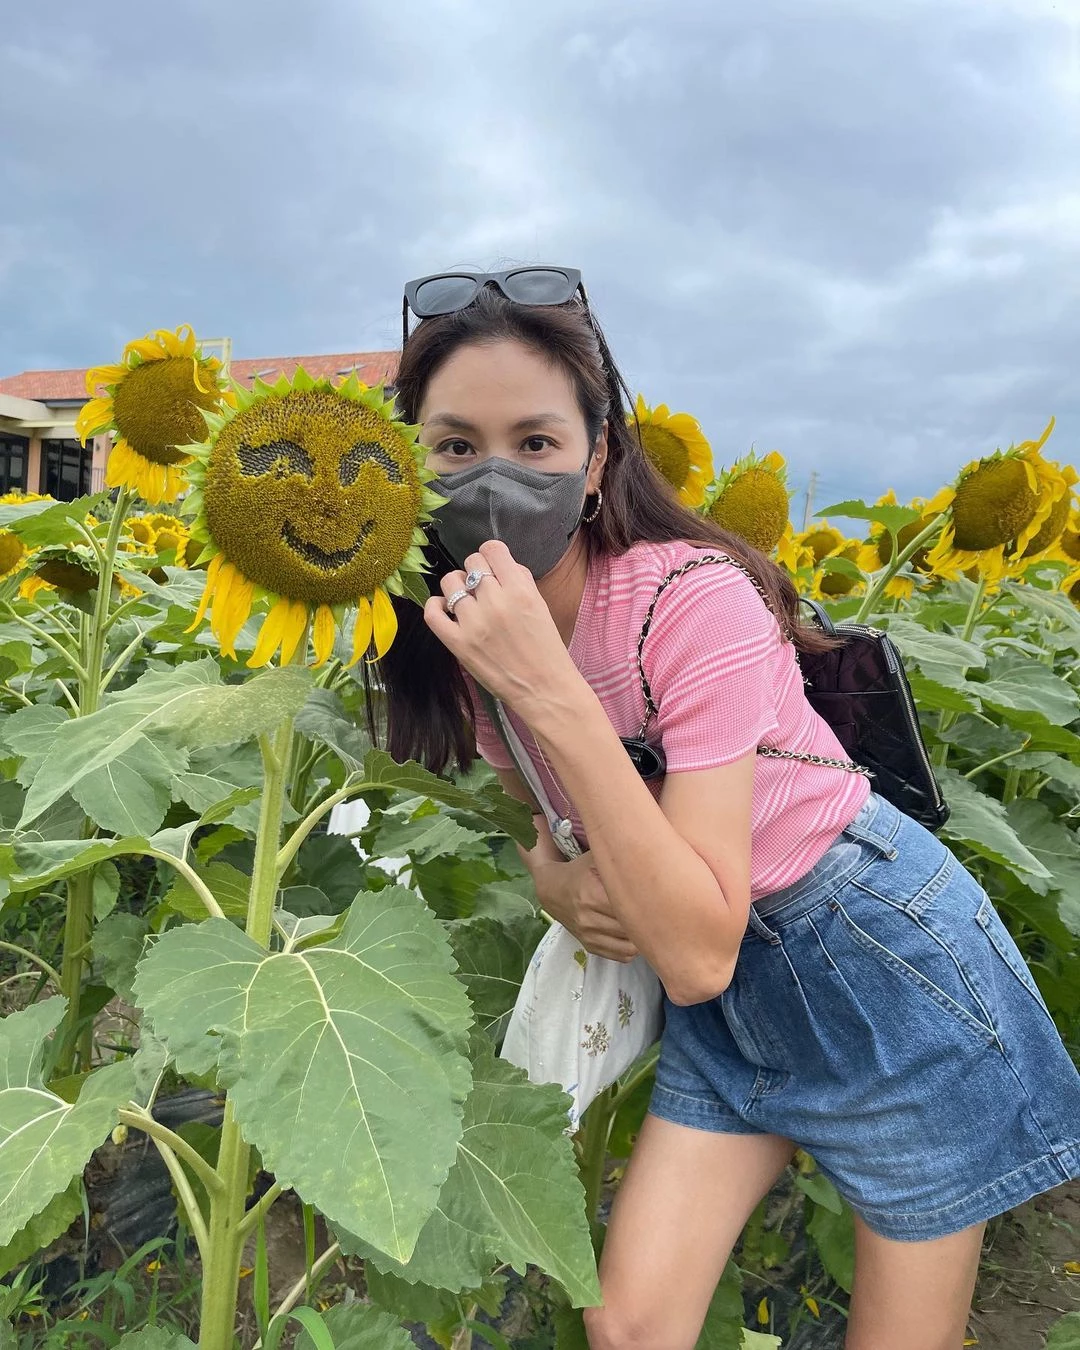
{"points": [[580, 1020]]}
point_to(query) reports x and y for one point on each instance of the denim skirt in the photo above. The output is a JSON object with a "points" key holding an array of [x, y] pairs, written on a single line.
{"points": [[882, 1018]]}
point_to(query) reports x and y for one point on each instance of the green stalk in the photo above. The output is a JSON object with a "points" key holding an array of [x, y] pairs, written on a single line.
{"points": [[78, 921], [595, 1131], [941, 750], [895, 563], [225, 1240]]}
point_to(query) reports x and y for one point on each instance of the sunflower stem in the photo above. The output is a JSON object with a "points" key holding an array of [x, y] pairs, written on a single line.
{"points": [[38, 961], [896, 562], [941, 750], [71, 660], [122, 660]]}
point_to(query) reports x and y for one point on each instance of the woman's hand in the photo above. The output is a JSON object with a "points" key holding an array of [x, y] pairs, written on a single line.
{"points": [[573, 893], [502, 632]]}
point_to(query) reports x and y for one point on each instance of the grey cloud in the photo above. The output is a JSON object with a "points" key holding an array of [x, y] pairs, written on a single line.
{"points": [[846, 231]]}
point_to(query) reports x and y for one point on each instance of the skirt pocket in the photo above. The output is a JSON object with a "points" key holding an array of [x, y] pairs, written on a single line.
{"points": [[922, 959], [1001, 939]]}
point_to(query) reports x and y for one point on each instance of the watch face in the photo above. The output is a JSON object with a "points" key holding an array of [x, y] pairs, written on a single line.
{"points": [[647, 759]]}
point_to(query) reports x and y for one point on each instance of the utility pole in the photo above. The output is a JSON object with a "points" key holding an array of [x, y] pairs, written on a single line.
{"points": [[811, 485]]}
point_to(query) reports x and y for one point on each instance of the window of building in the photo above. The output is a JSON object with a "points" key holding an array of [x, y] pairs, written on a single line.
{"points": [[65, 469], [14, 452]]}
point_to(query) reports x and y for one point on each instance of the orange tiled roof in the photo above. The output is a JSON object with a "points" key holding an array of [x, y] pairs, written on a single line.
{"points": [[54, 385]]}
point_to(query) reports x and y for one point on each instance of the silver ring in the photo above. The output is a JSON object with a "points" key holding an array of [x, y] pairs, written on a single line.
{"points": [[451, 600], [475, 577]]}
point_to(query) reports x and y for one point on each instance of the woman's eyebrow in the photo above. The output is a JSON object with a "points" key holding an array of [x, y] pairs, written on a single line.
{"points": [[456, 423]]}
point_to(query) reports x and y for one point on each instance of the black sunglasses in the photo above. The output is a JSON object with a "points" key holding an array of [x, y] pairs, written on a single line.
{"points": [[447, 292]]}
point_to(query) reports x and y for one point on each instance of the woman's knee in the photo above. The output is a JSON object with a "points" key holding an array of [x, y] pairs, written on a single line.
{"points": [[612, 1327]]}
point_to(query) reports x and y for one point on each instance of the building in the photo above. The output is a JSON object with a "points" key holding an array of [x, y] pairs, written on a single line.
{"points": [[39, 451]]}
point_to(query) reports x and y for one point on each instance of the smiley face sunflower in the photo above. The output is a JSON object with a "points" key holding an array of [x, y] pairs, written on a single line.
{"points": [[313, 496]]}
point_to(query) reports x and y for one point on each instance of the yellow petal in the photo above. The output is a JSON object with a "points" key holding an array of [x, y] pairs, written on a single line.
{"points": [[237, 612], [323, 634], [363, 629], [93, 417], [105, 375], [294, 630], [208, 590], [270, 634], [147, 348], [221, 597], [195, 374], [384, 621]]}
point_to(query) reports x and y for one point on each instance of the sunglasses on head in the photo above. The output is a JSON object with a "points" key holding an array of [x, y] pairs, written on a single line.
{"points": [[447, 292]]}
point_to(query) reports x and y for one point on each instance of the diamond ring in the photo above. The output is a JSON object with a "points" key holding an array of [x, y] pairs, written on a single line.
{"points": [[451, 600], [474, 578]]}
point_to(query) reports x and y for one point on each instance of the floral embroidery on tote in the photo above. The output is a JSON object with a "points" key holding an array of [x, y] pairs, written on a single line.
{"points": [[581, 956], [597, 1038], [626, 1008]]}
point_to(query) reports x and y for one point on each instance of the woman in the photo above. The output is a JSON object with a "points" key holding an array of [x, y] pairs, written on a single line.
{"points": [[834, 978]]}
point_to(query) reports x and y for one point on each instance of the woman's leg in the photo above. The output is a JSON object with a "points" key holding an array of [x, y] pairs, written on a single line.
{"points": [[909, 1294], [685, 1199]]}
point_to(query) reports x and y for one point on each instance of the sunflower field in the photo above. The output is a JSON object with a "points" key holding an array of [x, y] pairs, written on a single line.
{"points": [[255, 973]]}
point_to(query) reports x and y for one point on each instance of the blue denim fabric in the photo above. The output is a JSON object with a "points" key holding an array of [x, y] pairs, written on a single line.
{"points": [[882, 1018]]}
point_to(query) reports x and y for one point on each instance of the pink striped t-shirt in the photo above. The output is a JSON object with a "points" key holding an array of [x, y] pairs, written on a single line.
{"points": [[724, 681]]}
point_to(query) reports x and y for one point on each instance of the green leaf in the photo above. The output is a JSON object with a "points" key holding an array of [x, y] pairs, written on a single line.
{"points": [[30, 733], [106, 890], [892, 517], [1065, 1334], [356, 1326], [1055, 845], [843, 567], [1028, 686], [117, 946], [154, 1338], [215, 799], [39, 523], [39, 860], [1053, 605], [188, 705], [821, 1190], [759, 1340], [324, 719], [932, 693], [426, 837], [492, 959], [329, 863], [981, 822], [723, 1328], [491, 804], [46, 1142], [934, 650], [834, 1237], [229, 886], [1057, 768], [505, 901], [359, 1040], [132, 793], [512, 1196], [44, 1228]]}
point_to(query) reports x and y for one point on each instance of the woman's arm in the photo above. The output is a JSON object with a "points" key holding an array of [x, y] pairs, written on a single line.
{"points": [[570, 892]]}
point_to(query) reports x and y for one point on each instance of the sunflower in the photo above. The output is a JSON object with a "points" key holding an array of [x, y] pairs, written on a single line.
{"points": [[751, 500], [829, 585], [311, 495], [877, 551], [997, 505], [676, 447], [170, 534], [818, 542], [1050, 537], [12, 552], [155, 399]]}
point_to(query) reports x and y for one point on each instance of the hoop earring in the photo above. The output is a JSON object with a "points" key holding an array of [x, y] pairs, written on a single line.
{"points": [[588, 520]]}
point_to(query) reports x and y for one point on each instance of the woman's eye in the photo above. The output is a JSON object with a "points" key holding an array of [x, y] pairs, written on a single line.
{"points": [[455, 449], [536, 444]]}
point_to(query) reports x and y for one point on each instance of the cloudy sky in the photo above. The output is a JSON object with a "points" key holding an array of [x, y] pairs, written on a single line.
{"points": [[846, 229]]}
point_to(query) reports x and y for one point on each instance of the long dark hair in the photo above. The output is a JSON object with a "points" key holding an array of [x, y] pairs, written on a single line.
{"points": [[426, 697]]}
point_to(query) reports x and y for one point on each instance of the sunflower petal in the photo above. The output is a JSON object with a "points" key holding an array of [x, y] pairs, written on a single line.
{"points": [[270, 634], [106, 375], [208, 590], [363, 629], [221, 597], [323, 634], [93, 417], [237, 612], [294, 630], [147, 348], [384, 621]]}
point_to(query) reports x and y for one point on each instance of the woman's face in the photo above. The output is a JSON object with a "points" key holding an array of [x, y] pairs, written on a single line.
{"points": [[503, 400]]}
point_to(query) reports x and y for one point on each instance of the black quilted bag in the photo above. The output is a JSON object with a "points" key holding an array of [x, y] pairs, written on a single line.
{"points": [[859, 688]]}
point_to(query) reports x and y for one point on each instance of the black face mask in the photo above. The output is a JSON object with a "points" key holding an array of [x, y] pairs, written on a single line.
{"points": [[534, 514]]}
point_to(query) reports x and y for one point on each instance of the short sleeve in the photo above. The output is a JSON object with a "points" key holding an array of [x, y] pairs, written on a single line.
{"points": [[711, 659], [489, 744]]}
